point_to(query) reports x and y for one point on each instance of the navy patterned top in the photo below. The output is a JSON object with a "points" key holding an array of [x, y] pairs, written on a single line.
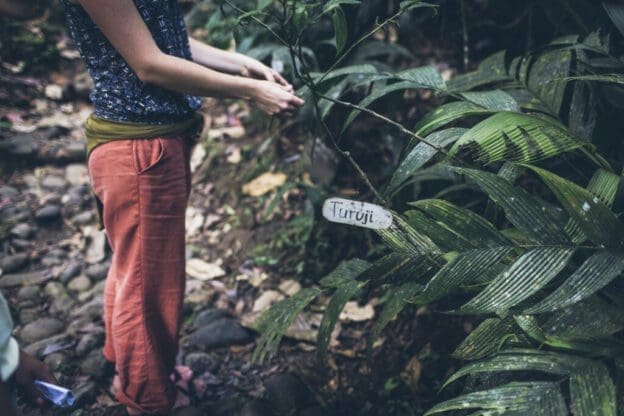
{"points": [[119, 95]]}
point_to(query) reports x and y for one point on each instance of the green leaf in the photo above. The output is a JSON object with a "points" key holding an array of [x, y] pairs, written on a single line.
{"points": [[464, 269], [594, 274], [274, 322], [414, 4], [615, 11], [446, 114], [490, 336], [525, 212], [340, 29], [376, 94], [332, 312], [591, 388], [516, 137], [594, 218], [420, 155], [398, 298], [606, 78], [263, 4], [424, 77], [537, 398], [490, 71], [526, 276], [464, 222], [346, 271], [401, 237], [492, 100]]}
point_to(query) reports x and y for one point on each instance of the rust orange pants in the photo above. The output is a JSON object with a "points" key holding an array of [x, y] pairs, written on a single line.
{"points": [[143, 185]]}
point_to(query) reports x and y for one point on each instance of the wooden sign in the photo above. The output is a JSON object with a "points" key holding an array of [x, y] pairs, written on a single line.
{"points": [[360, 214]]}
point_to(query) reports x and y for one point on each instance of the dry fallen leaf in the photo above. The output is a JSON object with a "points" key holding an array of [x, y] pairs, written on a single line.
{"points": [[202, 270], [264, 183], [353, 312], [290, 287], [411, 374], [235, 157], [266, 299]]}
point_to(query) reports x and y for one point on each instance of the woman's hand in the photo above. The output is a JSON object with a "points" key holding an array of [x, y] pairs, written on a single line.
{"points": [[273, 98], [29, 370], [255, 69]]}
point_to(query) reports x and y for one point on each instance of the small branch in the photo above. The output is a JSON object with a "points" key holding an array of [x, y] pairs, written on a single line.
{"points": [[465, 36]]}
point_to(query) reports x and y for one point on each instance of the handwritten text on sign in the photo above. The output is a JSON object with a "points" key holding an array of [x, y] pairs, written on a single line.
{"points": [[361, 214]]}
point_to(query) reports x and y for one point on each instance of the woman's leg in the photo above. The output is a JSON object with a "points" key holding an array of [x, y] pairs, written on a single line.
{"points": [[143, 185]]}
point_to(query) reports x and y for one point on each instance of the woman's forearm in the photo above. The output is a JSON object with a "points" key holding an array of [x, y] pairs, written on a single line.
{"points": [[187, 77], [217, 59]]}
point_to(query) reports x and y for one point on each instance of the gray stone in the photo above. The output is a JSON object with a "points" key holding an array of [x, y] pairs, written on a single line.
{"points": [[79, 284], [220, 333], [98, 271], [71, 270], [25, 279], [23, 230], [50, 260], [96, 251], [27, 315], [13, 263], [288, 394], [77, 174], [56, 361], [28, 293], [188, 411], [7, 191], [40, 329], [201, 362], [84, 218], [94, 364], [13, 214], [62, 304], [54, 182], [36, 348], [209, 315], [91, 309], [54, 289], [85, 393], [89, 342], [257, 407], [48, 213]]}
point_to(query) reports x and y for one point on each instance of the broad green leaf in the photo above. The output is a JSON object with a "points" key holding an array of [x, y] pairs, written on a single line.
{"points": [[403, 238], [526, 276], [263, 4], [376, 94], [445, 238], [464, 269], [420, 155], [340, 29], [399, 297], [489, 337], [607, 78], [615, 10], [448, 113], [591, 387], [336, 304], [516, 137], [346, 271], [594, 274], [334, 4], [424, 77], [594, 218], [492, 100], [589, 319], [414, 4], [490, 71], [363, 69], [464, 222], [513, 399], [521, 209], [274, 322]]}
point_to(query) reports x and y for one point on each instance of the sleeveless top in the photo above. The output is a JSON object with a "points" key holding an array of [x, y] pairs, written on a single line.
{"points": [[119, 95]]}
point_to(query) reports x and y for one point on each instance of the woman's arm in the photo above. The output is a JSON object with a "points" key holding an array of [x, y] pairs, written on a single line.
{"points": [[122, 25], [233, 63]]}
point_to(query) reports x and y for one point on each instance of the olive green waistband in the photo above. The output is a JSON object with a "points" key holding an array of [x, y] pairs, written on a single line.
{"points": [[99, 131]]}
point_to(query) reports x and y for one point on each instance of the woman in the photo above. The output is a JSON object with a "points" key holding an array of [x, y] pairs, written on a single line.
{"points": [[149, 77]]}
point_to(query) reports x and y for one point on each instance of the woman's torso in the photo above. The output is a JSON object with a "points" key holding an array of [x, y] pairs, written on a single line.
{"points": [[118, 93]]}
